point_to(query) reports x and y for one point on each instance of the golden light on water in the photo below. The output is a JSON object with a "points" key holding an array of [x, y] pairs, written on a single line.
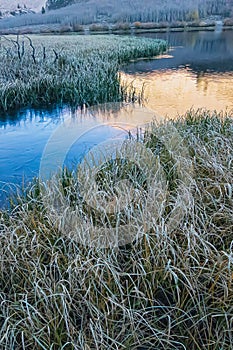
{"points": [[173, 92]]}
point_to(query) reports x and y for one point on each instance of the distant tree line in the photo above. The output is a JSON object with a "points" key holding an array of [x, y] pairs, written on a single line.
{"points": [[83, 12], [153, 10]]}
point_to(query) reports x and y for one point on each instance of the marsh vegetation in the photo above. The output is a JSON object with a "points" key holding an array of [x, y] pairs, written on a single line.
{"points": [[168, 289], [37, 71]]}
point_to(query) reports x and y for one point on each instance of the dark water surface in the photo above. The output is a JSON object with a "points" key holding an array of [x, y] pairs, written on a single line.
{"points": [[196, 72]]}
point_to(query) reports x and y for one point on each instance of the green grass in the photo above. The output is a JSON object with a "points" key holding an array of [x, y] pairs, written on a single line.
{"points": [[169, 289], [68, 69]]}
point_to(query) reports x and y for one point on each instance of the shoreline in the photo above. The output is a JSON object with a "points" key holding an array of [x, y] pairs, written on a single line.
{"points": [[131, 30]]}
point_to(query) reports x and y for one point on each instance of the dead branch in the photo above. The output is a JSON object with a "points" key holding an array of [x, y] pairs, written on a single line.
{"points": [[32, 47]]}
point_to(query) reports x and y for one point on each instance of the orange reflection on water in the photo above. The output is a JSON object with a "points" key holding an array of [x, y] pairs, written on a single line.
{"points": [[173, 92]]}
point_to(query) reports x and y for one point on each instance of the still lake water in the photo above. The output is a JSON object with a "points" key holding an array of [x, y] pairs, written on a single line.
{"points": [[197, 72]]}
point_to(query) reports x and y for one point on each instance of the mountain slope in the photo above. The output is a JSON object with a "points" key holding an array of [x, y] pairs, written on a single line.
{"points": [[11, 5], [110, 12], [55, 4]]}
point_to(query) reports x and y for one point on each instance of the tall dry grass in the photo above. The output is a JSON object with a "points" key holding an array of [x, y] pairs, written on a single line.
{"points": [[169, 289]]}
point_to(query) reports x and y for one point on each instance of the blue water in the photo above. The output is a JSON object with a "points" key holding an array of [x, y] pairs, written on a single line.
{"points": [[23, 139]]}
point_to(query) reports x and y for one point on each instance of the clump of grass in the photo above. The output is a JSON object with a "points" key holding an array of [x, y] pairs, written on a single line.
{"points": [[169, 289], [41, 70]]}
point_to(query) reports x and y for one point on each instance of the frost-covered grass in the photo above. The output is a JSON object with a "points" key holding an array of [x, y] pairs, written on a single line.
{"points": [[171, 288], [68, 69]]}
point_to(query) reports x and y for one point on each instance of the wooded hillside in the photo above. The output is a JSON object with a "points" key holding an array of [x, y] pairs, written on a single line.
{"points": [[150, 10], [72, 13]]}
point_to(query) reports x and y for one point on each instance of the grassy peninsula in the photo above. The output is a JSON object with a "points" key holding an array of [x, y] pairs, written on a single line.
{"points": [[43, 70]]}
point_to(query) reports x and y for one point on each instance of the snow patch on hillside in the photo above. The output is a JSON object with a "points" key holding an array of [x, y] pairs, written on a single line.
{"points": [[11, 5]]}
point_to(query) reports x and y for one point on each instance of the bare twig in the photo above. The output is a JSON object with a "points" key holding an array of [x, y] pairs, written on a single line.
{"points": [[56, 56], [44, 53], [33, 48], [15, 43]]}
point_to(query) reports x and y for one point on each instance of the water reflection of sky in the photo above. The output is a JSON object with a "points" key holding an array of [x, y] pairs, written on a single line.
{"points": [[23, 140]]}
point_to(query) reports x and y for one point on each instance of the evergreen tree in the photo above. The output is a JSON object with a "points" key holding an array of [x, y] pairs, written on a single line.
{"points": [[55, 4]]}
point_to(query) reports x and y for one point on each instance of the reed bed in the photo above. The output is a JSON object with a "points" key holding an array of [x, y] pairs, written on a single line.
{"points": [[77, 70], [169, 289]]}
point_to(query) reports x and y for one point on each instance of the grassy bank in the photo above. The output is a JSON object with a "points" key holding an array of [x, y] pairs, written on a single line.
{"points": [[170, 289], [41, 70]]}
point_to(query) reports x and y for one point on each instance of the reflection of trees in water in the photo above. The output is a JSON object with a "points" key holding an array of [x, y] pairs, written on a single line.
{"points": [[205, 58], [215, 84], [211, 45], [206, 42], [219, 64], [202, 82]]}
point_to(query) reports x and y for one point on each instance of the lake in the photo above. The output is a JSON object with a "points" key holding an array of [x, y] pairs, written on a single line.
{"points": [[196, 72]]}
